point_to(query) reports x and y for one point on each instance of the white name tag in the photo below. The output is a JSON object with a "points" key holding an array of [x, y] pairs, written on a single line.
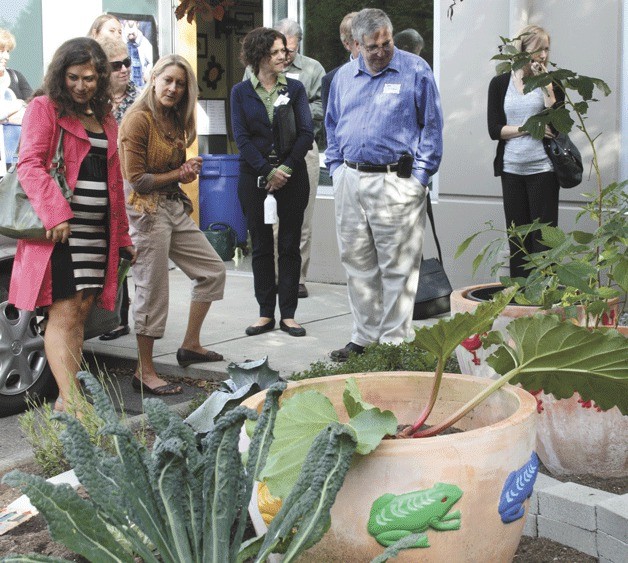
{"points": [[392, 88], [281, 100], [293, 75]]}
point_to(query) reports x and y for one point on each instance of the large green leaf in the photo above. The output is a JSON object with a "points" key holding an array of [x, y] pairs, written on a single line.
{"points": [[442, 338], [247, 378], [371, 426], [562, 358], [352, 398], [299, 421], [71, 519]]}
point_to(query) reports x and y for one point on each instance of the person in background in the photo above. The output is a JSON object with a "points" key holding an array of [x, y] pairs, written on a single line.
{"points": [[350, 45], [140, 51], [380, 176], [77, 263], [409, 40], [529, 185], [253, 104], [123, 94], [14, 88], [105, 25], [154, 135]]}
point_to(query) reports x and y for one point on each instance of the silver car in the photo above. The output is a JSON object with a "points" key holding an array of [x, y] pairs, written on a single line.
{"points": [[24, 370]]}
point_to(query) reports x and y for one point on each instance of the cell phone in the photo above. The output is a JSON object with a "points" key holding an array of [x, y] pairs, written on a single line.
{"points": [[262, 182], [404, 165]]}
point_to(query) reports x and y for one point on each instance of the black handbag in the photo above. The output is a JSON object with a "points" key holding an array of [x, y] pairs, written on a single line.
{"points": [[566, 160], [284, 128], [432, 296]]}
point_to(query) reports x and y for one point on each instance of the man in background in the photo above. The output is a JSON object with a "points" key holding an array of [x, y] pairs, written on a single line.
{"points": [[349, 44], [409, 40]]}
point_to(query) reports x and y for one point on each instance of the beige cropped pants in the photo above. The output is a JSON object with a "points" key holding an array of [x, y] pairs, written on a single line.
{"points": [[170, 234]]}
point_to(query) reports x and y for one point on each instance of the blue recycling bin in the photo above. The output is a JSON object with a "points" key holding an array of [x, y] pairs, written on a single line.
{"points": [[11, 140], [218, 193]]}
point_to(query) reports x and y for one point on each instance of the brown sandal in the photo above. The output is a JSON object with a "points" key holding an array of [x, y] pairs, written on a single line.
{"points": [[168, 389]]}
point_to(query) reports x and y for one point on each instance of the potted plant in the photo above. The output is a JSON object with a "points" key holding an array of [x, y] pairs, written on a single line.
{"points": [[451, 497]]}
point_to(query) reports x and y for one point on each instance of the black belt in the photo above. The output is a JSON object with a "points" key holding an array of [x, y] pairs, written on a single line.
{"points": [[366, 167]]}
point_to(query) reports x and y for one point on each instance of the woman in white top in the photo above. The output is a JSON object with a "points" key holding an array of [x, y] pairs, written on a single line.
{"points": [[529, 185]]}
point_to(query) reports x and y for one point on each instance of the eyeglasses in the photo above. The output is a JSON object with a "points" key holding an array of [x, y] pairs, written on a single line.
{"points": [[385, 46], [117, 65]]}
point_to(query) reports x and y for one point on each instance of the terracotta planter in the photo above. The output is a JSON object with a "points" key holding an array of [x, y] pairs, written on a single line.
{"points": [[498, 439], [573, 438]]}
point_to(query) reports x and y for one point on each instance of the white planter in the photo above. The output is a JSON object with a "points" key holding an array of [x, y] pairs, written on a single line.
{"points": [[571, 439]]}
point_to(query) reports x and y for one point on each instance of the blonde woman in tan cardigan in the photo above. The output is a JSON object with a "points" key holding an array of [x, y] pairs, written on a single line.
{"points": [[153, 137]]}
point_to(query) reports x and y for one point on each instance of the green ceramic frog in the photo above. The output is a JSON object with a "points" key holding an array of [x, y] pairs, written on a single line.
{"points": [[396, 516]]}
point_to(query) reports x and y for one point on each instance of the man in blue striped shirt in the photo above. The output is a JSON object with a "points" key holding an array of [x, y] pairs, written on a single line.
{"points": [[384, 137]]}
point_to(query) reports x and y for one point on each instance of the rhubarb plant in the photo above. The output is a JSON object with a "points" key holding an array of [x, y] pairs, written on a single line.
{"points": [[540, 352], [182, 502]]}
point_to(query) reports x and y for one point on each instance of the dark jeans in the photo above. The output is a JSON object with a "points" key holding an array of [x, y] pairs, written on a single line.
{"points": [[291, 203], [527, 198]]}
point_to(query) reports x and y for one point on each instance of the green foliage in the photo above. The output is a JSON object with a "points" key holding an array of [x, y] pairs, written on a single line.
{"points": [[303, 416], [43, 432], [378, 357], [179, 502]]}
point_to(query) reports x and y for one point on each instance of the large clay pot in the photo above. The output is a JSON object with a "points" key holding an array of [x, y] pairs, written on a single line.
{"points": [[498, 440], [573, 438]]}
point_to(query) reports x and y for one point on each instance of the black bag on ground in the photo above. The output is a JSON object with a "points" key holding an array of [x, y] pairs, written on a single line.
{"points": [[432, 296], [566, 160]]}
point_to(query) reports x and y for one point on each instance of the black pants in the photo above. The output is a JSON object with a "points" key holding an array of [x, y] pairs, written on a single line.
{"points": [[291, 203], [527, 198]]}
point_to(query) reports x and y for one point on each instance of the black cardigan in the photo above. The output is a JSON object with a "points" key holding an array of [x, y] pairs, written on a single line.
{"points": [[496, 116]]}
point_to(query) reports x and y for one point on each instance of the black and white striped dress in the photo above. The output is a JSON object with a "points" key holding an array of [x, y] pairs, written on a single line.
{"points": [[80, 264]]}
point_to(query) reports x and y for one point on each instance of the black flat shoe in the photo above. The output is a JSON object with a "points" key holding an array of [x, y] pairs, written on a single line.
{"points": [[343, 354], [188, 357], [292, 330], [260, 329], [116, 333]]}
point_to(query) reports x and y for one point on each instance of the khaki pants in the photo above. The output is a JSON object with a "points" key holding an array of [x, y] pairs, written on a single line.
{"points": [[380, 220], [170, 234]]}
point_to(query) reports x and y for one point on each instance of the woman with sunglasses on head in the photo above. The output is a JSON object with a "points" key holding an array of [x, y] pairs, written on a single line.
{"points": [[77, 262], [123, 94]]}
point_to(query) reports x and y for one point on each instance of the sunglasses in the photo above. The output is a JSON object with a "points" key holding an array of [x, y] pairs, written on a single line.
{"points": [[117, 65]]}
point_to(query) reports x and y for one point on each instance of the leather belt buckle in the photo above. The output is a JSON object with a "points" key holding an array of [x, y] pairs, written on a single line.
{"points": [[374, 168]]}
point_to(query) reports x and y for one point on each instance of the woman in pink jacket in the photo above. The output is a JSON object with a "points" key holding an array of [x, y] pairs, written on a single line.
{"points": [[77, 263]]}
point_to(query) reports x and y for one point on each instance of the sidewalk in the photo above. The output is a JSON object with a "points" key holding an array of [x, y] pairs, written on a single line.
{"points": [[325, 315]]}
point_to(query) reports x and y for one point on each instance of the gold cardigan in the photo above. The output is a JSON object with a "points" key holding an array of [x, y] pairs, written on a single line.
{"points": [[144, 151]]}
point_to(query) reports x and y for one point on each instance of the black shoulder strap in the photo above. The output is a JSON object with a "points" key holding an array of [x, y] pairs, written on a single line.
{"points": [[430, 214]]}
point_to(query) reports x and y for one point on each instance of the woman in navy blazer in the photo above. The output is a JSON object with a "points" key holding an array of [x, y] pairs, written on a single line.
{"points": [[264, 169]]}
